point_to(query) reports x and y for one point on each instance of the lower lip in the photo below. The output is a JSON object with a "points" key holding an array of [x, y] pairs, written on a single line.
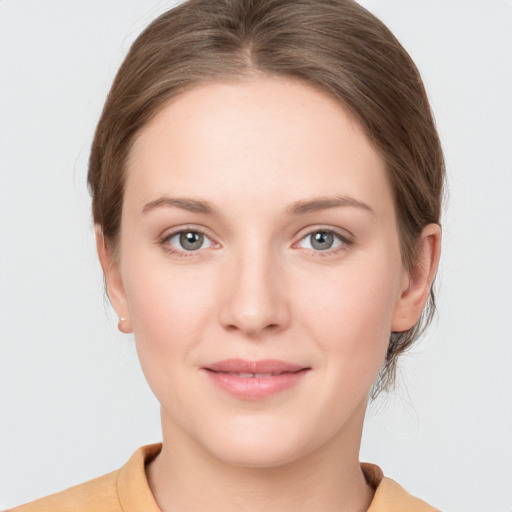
{"points": [[255, 388]]}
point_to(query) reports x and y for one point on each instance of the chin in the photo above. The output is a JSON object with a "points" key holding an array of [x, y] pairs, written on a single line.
{"points": [[261, 455], [257, 442]]}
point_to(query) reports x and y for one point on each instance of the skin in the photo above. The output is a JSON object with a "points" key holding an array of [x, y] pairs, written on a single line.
{"points": [[257, 289]]}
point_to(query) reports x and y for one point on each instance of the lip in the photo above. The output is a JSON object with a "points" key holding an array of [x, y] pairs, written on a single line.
{"points": [[255, 380]]}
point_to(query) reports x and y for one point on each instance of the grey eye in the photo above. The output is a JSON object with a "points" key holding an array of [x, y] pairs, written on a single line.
{"points": [[187, 241], [191, 240], [321, 240]]}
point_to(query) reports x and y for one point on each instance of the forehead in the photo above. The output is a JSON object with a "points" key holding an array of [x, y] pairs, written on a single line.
{"points": [[266, 139]]}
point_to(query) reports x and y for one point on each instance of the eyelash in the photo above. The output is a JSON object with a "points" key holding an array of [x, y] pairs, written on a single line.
{"points": [[182, 253], [345, 242]]}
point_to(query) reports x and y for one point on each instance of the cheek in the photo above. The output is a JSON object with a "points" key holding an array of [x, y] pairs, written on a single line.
{"points": [[169, 307], [349, 314], [169, 310]]}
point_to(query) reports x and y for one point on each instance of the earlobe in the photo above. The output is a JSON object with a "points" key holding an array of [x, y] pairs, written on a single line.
{"points": [[113, 281], [419, 280]]}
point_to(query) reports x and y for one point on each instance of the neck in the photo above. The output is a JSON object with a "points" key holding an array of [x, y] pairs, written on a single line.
{"points": [[185, 477]]}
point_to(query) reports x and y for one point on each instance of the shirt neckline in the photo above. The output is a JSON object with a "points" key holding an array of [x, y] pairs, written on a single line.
{"points": [[133, 490]]}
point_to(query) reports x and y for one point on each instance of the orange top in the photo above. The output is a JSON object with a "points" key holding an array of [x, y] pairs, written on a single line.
{"points": [[127, 490]]}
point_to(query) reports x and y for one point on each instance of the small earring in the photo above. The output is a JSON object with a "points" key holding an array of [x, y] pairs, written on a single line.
{"points": [[124, 328]]}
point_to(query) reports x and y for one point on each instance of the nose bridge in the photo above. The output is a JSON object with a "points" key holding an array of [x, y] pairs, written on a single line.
{"points": [[254, 298]]}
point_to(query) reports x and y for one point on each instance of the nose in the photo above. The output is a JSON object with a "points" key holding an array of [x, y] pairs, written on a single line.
{"points": [[254, 295]]}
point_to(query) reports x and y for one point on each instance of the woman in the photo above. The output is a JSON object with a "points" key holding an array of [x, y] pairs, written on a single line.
{"points": [[266, 180]]}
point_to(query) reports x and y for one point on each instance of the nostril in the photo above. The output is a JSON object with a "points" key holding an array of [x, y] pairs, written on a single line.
{"points": [[270, 327]]}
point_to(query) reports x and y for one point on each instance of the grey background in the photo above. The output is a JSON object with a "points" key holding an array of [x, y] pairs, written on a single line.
{"points": [[73, 401]]}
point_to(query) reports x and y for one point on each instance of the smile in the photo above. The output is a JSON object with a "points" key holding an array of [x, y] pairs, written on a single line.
{"points": [[255, 380]]}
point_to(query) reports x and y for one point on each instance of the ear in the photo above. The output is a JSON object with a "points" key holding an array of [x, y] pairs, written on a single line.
{"points": [[113, 280], [417, 282]]}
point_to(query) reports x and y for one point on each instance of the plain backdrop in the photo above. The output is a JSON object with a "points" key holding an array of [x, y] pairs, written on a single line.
{"points": [[73, 402]]}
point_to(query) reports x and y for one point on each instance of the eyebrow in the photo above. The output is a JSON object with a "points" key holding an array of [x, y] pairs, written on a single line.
{"points": [[323, 203], [297, 208], [185, 203]]}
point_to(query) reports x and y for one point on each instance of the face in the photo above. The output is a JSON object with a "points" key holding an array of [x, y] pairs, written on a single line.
{"points": [[259, 269]]}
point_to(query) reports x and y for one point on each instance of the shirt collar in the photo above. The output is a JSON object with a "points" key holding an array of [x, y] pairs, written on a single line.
{"points": [[134, 493]]}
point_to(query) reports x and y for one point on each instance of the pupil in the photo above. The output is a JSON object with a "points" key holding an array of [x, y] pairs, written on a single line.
{"points": [[191, 240], [322, 240]]}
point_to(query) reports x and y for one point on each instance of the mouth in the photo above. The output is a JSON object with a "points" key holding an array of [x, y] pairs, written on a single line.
{"points": [[264, 367], [255, 380], [252, 375]]}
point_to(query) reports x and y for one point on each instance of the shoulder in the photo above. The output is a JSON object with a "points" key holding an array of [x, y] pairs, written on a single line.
{"points": [[391, 496], [125, 489], [97, 494]]}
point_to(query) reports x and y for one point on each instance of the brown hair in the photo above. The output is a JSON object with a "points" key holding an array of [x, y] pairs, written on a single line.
{"points": [[334, 45]]}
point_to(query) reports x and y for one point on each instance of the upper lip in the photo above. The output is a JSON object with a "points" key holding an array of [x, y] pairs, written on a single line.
{"points": [[273, 366]]}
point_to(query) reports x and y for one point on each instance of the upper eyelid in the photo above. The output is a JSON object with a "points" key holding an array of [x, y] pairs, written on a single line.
{"points": [[169, 233], [342, 233]]}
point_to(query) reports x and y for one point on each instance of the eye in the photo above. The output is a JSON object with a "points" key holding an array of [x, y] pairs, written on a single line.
{"points": [[187, 240], [323, 240]]}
